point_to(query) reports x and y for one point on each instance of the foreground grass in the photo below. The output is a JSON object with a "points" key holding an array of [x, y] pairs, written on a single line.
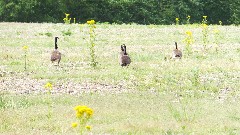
{"points": [[196, 95], [128, 113]]}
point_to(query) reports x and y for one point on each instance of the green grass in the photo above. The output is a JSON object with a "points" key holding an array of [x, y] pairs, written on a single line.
{"points": [[195, 95], [135, 113]]}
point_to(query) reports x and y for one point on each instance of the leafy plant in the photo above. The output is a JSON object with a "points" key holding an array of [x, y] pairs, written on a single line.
{"points": [[74, 20], [195, 76], [177, 21], [188, 19], [205, 32], [188, 40], [181, 113], [3, 102], [48, 86], [25, 49], [67, 20], [67, 33], [48, 34], [91, 25]]}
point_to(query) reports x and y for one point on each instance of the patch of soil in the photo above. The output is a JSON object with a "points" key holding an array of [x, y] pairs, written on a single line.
{"points": [[26, 85]]}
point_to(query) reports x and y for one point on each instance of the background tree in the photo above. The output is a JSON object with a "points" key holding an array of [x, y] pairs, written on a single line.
{"points": [[121, 11]]}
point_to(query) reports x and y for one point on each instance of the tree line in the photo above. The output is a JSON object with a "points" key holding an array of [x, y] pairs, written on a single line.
{"points": [[121, 11]]}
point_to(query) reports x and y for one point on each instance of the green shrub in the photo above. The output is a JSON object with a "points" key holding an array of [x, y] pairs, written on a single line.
{"points": [[122, 11]]}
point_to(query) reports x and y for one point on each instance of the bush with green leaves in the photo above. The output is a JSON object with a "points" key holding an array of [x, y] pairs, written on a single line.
{"points": [[134, 11]]}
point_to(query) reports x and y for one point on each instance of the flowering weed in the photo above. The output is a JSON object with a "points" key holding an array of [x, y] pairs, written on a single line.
{"points": [[188, 40], [188, 19], [177, 21], [67, 20], [25, 49], [48, 86], [91, 25], [205, 32], [83, 114]]}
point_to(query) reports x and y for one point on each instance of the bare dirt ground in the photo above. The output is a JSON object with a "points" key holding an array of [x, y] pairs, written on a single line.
{"points": [[20, 83]]}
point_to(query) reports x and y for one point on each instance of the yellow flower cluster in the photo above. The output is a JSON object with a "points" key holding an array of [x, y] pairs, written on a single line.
{"points": [[204, 21], [91, 22], [67, 15], [189, 33], [66, 19], [48, 86], [189, 16], [25, 48], [83, 111], [177, 19], [204, 26], [189, 38], [74, 124]]}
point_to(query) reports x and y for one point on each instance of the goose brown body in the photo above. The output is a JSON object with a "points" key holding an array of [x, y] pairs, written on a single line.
{"points": [[56, 55], [124, 58], [177, 53]]}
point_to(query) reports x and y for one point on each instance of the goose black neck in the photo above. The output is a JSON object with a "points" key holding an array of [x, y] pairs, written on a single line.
{"points": [[125, 50], [56, 47], [122, 49], [176, 45]]}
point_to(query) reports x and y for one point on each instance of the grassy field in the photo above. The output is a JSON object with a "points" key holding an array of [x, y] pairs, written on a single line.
{"points": [[198, 94]]}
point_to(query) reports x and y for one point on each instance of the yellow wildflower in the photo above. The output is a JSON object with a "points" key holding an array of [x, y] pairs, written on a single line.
{"points": [[91, 22], [83, 111], [205, 25], [67, 14], [25, 48], [88, 127], [189, 33], [177, 19], [74, 125], [188, 16], [48, 86], [205, 17]]}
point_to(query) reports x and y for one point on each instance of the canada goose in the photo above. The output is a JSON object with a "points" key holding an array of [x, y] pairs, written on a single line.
{"points": [[56, 55], [124, 58], [177, 53]]}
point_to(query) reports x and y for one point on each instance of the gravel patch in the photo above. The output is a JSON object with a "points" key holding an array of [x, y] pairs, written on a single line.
{"points": [[18, 84]]}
